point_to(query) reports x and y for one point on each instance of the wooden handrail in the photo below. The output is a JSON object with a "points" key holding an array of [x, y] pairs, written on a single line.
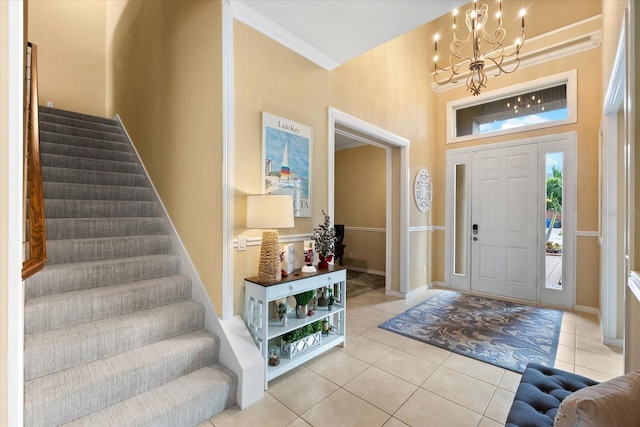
{"points": [[37, 236]]}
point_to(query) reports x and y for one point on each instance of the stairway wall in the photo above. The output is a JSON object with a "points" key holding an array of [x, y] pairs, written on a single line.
{"points": [[71, 57], [174, 114], [238, 351]]}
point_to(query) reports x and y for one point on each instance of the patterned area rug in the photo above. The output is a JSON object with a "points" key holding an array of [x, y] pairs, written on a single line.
{"points": [[502, 333], [359, 283]]}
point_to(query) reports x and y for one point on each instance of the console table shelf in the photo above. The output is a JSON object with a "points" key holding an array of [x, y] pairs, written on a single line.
{"points": [[275, 328], [261, 314]]}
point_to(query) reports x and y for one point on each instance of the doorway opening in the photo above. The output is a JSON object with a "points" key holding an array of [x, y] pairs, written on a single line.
{"points": [[396, 192]]}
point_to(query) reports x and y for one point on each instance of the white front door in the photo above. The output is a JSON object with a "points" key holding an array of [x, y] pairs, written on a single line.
{"points": [[504, 218]]}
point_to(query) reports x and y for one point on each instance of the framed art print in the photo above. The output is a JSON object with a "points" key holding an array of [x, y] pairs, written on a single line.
{"points": [[286, 161]]}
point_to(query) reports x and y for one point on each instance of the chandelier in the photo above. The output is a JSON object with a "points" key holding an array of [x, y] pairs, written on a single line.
{"points": [[487, 48]]}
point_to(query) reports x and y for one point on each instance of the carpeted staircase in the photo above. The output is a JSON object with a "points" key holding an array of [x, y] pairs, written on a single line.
{"points": [[112, 336]]}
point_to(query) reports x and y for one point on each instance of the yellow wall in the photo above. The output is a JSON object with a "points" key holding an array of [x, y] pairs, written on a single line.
{"points": [[70, 36], [165, 63], [360, 201], [387, 87], [539, 15], [612, 16]]}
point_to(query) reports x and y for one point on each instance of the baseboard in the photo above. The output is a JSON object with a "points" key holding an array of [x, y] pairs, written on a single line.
{"points": [[414, 292], [587, 309], [613, 342], [396, 294]]}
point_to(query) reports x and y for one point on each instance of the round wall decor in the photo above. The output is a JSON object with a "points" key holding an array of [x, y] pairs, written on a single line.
{"points": [[422, 190]]}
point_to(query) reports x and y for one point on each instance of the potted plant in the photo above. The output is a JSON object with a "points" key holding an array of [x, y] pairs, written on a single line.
{"points": [[300, 339], [324, 237], [331, 300], [302, 301]]}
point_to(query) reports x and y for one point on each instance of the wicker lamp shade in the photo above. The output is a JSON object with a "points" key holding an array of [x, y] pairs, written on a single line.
{"points": [[270, 211]]}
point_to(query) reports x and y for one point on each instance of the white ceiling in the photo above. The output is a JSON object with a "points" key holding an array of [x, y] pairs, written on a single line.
{"points": [[331, 32]]}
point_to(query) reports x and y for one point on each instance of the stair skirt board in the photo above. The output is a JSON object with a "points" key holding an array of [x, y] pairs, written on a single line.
{"points": [[112, 336]]}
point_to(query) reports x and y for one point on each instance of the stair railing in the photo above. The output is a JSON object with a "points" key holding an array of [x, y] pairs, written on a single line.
{"points": [[33, 188]]}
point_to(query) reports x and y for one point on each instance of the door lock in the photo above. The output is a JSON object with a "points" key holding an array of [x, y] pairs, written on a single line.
{"points": [[474, 228]]}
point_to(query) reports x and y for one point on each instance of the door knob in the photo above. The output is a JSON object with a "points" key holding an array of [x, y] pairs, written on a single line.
{"points": [[475, 239]]}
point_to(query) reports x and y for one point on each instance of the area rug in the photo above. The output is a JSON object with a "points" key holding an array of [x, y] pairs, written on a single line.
{"points": [[359, 283], [502, 333]]}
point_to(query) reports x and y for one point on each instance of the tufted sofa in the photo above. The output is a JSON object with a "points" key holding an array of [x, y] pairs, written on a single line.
{"points": [[540, 393], [551, 397]]}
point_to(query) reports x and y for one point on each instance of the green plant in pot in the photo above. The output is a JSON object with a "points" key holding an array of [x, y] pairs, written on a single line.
{"points": [[302, 302], [324, 237], [331, 300], [302, 332]]}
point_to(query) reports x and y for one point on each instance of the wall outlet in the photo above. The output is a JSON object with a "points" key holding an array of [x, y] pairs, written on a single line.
{"points": [[242, 243], [50, 104]]}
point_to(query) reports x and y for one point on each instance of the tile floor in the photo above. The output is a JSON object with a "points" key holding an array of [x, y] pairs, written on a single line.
{"points": [[383, 379]]}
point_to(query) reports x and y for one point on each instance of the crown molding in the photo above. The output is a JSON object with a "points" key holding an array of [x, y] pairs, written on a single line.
{"points": [[248, 16]]}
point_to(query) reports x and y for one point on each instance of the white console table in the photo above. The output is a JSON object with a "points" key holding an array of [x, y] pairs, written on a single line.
{"points": [[261, 314]]}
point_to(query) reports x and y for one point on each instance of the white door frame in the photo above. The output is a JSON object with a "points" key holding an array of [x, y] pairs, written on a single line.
{"points": [[614, 103], [550, 143], [390, 141], [12, 74]]}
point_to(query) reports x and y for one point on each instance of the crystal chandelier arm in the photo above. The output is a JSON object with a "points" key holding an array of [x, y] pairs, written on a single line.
{"points": [[453, 68], [457, 46], [500, 59]]}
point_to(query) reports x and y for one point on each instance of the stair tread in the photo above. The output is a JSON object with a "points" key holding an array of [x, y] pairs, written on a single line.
{"points": [[74, 208], [86, 152], [171, 403], [48, 312], [97, 248], [78, 171], [69, 347], [87, 163], [67, 113], [55, 278], [73, 131], [45, 117], [85, 141], [74, 228], [92, 185], [67, 395], [86, 191]]}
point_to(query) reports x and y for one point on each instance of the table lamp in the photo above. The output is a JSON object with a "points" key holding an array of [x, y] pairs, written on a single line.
{"points": [[270, 212]]}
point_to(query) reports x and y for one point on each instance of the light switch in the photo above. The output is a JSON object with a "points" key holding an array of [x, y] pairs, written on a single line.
{"points": [[242, 243]]}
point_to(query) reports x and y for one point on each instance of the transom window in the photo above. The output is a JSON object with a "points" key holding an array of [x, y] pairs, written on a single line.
{"points": [[532, 105]]}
